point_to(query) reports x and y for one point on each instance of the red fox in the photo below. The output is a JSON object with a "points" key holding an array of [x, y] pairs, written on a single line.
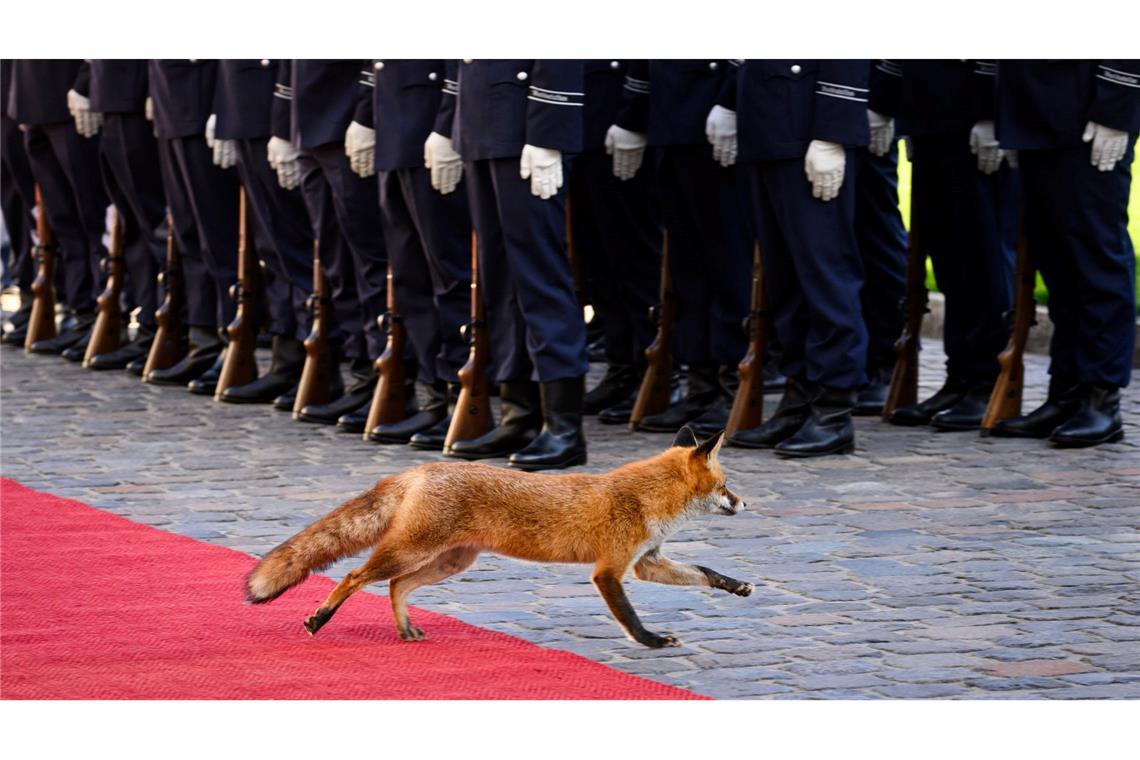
{"points": [[431, 521]]}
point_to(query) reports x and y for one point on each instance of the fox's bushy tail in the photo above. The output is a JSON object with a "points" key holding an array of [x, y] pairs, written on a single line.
{"points": [[354, 525]]}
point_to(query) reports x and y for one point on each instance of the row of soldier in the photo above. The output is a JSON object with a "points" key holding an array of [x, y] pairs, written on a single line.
{"points": [[390, 165]]}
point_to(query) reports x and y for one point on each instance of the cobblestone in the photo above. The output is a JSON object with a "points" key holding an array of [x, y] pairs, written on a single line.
{"points": [[923, 566]]}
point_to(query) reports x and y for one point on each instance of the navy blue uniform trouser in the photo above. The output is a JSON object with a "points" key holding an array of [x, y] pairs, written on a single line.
{"points": [[882, 240], [534, 320], [66, 167], [283, 238], [344, 207], [17, 198], [203, 198], [704, 208], [134, 181], [429, 241], [967, 222], [1076, 220], [813, 273], [617, 238]]}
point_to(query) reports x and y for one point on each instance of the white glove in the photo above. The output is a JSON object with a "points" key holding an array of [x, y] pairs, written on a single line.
{"points": [[628, 150], [446, 165], [148, 108], [225, 151], [543, 167], [882, 133], [720, 128], [825, 164], [1108, 145], [360, 147], [283, 158], [984, 145], [87, 122]]}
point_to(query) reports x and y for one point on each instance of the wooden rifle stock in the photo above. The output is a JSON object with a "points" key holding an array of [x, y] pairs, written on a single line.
{"points": [[240, 365], [389, 401], [748, 405], [170, 343], [472, 416], [41, 324], [107, 333], [657, 383], [316, 376], [903, 390], [1005, 400]]}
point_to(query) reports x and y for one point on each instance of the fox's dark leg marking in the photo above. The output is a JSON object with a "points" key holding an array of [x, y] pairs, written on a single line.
{"points": [[609, 586], [658, 568], [382, 565], [731, 585]]}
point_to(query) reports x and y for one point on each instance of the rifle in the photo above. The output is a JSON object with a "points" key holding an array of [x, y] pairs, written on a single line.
{"points": [[107, 333], [169, 344], [41, 324], [903, 390], [472, 416], [316, 376], [240, 365], [389, 402], [657, 383], [748, 405], [1005, 400]]}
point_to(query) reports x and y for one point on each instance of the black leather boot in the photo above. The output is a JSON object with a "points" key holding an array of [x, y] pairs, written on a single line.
{"points": [[433, 438], [774, 380], [703, 391], [792, 412], [1063, 402], [357, 395], [829, 428], [16, 336], [76, 351], [22, 315], [715, 418], [872, 397], [284, 372], [1096, 421], [967, 414], [354, 422], [561, 442], [138, 348], [284, 402], [207, 382], [205, 348], [618, 414], [521, 420], [619, 381], [136, 366], [429, 415], [72, 331], [921, 413]]}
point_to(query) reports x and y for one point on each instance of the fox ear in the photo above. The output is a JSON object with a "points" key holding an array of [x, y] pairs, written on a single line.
{"points": [[710, 448], [685, 438]]}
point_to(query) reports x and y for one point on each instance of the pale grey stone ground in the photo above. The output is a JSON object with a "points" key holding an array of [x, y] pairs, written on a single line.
{"points": [[925, 565]]}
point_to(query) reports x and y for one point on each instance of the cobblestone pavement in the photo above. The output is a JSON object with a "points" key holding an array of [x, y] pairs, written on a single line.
{"points": [[925, 565]]}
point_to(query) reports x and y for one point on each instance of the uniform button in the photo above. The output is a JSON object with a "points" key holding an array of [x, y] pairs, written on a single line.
{"points": [[796, 68], [264, 63], [467, 60], [378, 65], [712, 66], [521, 76], [615, 64], [433, 76]]}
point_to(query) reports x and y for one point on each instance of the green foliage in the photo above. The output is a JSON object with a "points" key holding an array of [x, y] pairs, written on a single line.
{"points": [[1041, 293]]}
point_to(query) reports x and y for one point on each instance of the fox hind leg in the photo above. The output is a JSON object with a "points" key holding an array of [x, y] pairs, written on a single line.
{"points": [[443, 566], [382, 565]]}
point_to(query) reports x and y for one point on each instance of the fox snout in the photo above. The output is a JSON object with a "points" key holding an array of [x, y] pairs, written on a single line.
{"points": [[729, 503]]}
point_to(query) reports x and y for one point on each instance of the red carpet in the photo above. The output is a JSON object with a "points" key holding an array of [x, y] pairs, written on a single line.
{"points": [[94, 606]]}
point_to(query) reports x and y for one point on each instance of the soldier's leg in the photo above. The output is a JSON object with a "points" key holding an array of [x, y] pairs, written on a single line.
{"points": [[284, 243], [538, 268], [882, 241], [1091, 209], [509, 361], [134, 181], [17, 187], [354, 203]]}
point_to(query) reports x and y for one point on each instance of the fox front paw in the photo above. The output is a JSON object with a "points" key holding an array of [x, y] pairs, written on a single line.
{"points": [[741, 588], [653, 641], [411, 633]]}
